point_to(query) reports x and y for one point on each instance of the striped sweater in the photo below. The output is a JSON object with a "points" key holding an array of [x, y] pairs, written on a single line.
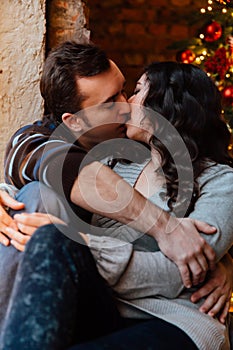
{"points": [[52, 156], [39, 153]]}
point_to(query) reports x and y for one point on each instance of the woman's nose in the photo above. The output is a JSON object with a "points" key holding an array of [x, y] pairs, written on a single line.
{"points": [[130, 99]]}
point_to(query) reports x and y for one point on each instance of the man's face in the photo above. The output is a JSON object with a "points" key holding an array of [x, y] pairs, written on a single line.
{"points": [[103, 118]]}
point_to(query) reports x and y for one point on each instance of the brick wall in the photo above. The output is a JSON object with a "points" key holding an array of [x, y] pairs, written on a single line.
{"points": [[65, 20], [136, 32]]}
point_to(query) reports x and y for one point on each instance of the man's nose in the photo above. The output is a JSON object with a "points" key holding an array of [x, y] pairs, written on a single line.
{"points": [[123, 105]]}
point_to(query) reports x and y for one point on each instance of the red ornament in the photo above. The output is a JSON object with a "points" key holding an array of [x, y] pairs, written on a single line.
{"points": [[227, 3], [212, 31], [227, 94], [218, 63], [186, 56]]}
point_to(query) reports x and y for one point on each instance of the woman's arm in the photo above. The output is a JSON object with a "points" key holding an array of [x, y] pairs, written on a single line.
{"points": [[215, 206], [125, 269]]}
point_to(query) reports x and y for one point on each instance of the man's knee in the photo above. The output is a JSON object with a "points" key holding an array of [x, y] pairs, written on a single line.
{"points": [[52, 238], [39, 198]]}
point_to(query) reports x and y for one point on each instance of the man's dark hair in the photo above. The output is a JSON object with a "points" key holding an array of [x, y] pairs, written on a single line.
{"points": [[63, 66]]}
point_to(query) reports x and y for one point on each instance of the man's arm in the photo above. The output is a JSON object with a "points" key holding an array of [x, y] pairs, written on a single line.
{"points": [[118, 263], [31, 155], [100, 190]]}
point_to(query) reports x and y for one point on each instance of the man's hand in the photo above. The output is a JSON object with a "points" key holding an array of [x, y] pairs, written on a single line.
{"points": [[182, 243], [5, 220], [28, 224], [100, 190], [217, 289]]}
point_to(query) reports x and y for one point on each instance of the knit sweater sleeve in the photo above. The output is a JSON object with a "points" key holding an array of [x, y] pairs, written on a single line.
{"points": [[144, 273], [215, 206], [33, 154], [134, 274]]}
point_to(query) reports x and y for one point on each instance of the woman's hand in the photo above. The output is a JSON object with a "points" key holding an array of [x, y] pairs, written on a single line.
{"points": [[27, 225], [217, 290], [5, 220]]}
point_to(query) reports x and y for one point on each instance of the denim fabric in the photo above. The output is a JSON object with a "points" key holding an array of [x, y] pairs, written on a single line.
{"points": [[59, 298], [30, 195], [148, 335]]}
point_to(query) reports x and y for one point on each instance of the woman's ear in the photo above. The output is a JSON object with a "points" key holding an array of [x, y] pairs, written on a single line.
{"points": [[72, 121]]}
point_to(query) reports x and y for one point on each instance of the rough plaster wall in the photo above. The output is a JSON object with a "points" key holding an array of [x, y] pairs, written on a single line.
{"points": [[22, 40]]}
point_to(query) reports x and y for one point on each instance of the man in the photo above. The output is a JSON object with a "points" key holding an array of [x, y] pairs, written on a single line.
{"points": [[76, 78]]}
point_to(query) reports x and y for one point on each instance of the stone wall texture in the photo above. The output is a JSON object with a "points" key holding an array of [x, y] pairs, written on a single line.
{"points": [[22, 38], [28, 30]]}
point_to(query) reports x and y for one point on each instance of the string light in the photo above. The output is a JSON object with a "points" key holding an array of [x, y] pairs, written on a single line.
{"points": [[209, 8], [231, 302], [202, 10]]}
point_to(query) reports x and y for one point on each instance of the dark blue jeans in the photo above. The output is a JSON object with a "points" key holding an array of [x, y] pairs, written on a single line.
{"points": [[30, 195], [59, 300]]}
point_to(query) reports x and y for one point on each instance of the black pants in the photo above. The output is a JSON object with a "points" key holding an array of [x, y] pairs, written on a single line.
{"points": [[59, 299]]}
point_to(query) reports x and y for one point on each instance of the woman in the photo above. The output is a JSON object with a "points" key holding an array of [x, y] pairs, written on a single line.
{"points": [[188, 99]]}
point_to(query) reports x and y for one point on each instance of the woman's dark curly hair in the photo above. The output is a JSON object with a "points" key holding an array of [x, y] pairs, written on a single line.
{"points": [[188, 99]]}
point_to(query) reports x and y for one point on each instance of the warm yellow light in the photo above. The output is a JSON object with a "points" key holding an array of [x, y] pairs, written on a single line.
{"points": [[228, 75], [209, 8], [210, 2], [231, 303], [197, 60], [202, 58], [202, 10], [201, 36], [224, 10], [204, 52]]}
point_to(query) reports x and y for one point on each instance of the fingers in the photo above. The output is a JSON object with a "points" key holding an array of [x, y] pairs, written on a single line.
{"points": [[216, 306], [210, 256], [10, 202], [18, 246], [198, 273], [204, 227], [224, 313], [36, 220], [193, 269], [4, 240], [201, 292], [5, 221], [207, 249], [17, 236], [185, 275]]}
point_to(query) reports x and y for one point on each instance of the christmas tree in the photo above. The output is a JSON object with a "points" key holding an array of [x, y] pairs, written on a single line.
{"points": [[212, 49]]}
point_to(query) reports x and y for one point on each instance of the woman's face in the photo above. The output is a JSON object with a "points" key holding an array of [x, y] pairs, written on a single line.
{"points": [[139, 127]]}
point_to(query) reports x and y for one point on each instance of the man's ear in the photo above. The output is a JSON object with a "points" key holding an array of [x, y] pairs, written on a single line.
{"points": [[72, 121]]}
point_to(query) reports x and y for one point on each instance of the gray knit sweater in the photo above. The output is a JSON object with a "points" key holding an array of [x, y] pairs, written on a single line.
{"points": [[148, 284]]}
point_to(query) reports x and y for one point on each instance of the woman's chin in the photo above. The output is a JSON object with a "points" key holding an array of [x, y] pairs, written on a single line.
{"points": [[133, 133]]}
